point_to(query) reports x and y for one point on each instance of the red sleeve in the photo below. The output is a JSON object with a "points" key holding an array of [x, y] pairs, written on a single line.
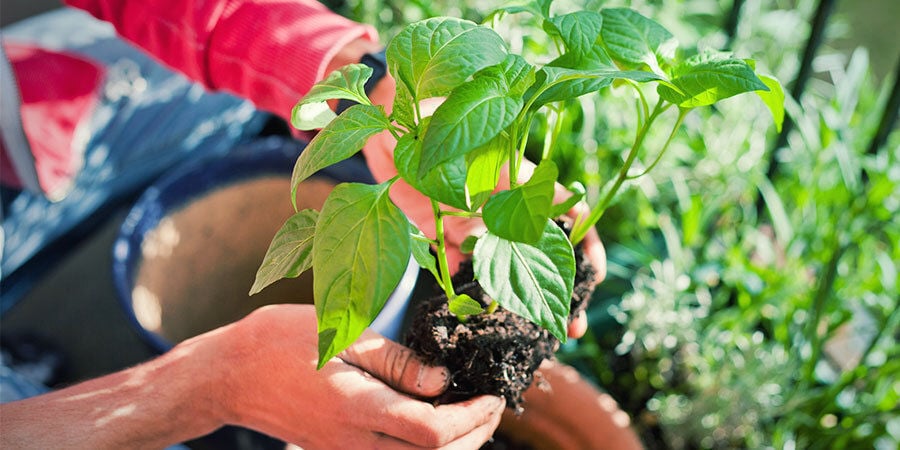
{"points": [[268, 51]]}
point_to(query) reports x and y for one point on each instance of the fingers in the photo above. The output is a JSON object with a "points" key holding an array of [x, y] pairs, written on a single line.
{"points": [[467, 424], [578, 326], [396, 365]]}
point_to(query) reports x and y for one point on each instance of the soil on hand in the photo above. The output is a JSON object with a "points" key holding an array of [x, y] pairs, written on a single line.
{"points": [[494, 354]]}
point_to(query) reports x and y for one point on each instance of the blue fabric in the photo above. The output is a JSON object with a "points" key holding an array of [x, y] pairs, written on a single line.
{"points": [[147, 121]]}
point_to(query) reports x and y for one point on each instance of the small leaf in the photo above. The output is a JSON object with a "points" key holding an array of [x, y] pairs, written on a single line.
{"points": [[521, 214], [578, 191], [421, 250], [634, 39], [434, 56], [516, 74], [402, 111], [533, 281], [483, 166], [774, 99], [348, 82], [471, 116], [579, 31], [360, 251], [341, 139], [446, 183], [560, 83], [709, 77], [463, 306], [290, 252], [468, 244]]}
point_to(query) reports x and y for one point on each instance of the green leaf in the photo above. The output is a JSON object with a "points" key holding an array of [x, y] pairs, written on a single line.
{"points": [[471, 116], [579, 31], [446, 183], [774, 99], [514, 72], [463, 305], [402, 111], [290, 252], [361, 250], [434, 56], [483, 166], [341, 139], [348, 82], [421, 250], [520, 214], [578, 191], [634, 39], [561, 83], [533, 281], [468, 244], [709, 77]]}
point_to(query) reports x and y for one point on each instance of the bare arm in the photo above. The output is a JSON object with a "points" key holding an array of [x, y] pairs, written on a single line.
{"points": [[258, 373], [148, 406]]}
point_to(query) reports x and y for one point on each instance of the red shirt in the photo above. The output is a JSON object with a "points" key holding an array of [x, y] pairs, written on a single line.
{"points": [[270, 52]]}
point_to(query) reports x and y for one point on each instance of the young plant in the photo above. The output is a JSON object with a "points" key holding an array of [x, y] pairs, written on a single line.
{"points": [[360, 243]]}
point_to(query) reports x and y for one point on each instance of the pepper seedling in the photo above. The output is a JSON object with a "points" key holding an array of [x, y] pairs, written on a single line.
{"points": [[359, 244]]}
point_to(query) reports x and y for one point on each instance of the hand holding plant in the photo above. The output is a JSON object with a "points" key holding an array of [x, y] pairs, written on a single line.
{"points": [[359, 244]]}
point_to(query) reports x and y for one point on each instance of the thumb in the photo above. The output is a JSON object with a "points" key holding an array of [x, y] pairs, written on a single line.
{"points": [[396, 365]]}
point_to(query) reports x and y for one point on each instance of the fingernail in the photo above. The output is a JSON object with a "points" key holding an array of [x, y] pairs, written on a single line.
{"points": [[432, 379]]}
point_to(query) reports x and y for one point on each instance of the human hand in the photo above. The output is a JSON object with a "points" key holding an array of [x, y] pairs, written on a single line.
{"points": [[566, 412], [366, 397]]}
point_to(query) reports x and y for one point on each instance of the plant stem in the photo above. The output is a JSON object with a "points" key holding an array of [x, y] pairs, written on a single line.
{"points": [[443, 264], [581, 227], [681, 113]]}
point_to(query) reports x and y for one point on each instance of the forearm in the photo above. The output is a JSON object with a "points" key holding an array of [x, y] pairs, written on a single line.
{"points": [[162, 402], [268, 51]]}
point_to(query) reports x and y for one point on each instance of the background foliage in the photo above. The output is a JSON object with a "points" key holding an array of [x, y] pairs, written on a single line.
{"points": [[740, 310]]}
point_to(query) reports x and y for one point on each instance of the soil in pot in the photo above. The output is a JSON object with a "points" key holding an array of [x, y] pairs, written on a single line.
{"points": [[495, 353]]}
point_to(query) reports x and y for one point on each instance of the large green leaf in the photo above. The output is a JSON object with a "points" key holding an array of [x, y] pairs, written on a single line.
{"points": [[360, 252], [633, 39], [471, 116], [709, 77], [533, 281], [579, 31], [341, 139], [521, 214], [290, 252], [774, 99], [348, 82], [434, 56], [446, 183]]}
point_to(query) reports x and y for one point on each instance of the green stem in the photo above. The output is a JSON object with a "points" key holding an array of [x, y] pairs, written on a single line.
{"points": [[443, 264], [552, 135], [581, 227], [681, 114], [466, 214]]}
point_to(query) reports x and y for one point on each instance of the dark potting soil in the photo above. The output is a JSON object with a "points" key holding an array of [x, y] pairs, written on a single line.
{"points": [[494, 354]]}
